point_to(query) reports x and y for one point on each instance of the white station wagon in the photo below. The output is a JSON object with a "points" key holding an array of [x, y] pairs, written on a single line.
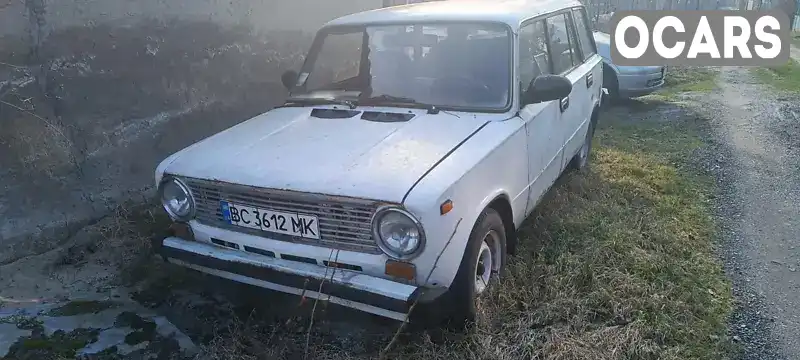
{"points": [[414, 142]]}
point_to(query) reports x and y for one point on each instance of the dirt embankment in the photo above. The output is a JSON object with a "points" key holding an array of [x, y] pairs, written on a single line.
{"points": [[86, 117]]}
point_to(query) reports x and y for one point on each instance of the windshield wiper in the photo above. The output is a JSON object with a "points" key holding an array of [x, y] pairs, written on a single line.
{"points": [[398, 100], [320, 101]]}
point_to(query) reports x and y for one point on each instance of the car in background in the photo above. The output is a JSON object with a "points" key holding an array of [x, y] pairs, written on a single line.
{"points": [[626, 81]]}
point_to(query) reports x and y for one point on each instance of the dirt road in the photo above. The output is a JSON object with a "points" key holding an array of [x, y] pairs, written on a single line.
{"points": [[757, 159]]}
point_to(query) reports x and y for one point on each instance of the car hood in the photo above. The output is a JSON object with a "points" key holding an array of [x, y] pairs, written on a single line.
{"points": [[287, 148]]}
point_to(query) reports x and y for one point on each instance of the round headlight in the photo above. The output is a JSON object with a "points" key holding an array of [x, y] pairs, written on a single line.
{"points": [[398, 233], [176, 199]]}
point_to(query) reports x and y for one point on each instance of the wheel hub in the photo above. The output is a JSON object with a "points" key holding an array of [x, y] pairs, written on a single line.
{"points": [[488, 261]]}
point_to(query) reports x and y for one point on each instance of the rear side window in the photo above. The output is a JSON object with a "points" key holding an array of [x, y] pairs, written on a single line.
{"points": [[584, 34], [564, 47]]}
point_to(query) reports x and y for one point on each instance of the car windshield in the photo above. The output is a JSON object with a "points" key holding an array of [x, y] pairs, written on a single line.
{"points": [[452, 65]]}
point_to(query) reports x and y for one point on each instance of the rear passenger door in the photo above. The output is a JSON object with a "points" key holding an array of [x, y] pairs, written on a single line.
{"points": [[592, 63], [567, 60]]}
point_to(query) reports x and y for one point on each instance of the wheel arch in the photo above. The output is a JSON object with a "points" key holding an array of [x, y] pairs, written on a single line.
{"points": [[610, 73], [502, 204]]}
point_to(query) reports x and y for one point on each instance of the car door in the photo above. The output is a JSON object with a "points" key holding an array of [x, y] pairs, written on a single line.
{"points": [[542, 120], [593, 67], [566, 60]]}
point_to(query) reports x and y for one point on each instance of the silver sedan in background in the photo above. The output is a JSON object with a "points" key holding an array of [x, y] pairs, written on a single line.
{"points": [[626, 81]]}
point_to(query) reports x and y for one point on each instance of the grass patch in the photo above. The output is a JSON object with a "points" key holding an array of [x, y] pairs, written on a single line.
{"points": [[143, 330], [617, 263], [796, 38], [60, 346], [783, 77], [22, 322], [688, 79], [79, 307]]}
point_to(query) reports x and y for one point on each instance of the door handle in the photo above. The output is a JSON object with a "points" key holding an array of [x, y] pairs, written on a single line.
{"points": [[564, 104], [589, 80]]}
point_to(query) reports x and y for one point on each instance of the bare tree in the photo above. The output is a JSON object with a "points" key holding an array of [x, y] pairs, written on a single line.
{"points": [[788, 7], [39, 69]]}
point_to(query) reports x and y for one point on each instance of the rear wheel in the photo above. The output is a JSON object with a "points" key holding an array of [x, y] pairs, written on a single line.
{"points": [[482, 264], [581, 160]]}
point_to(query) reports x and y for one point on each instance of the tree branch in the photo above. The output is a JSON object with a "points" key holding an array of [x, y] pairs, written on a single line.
{"points": [[31, 113], [316, 299], [11, 65]]}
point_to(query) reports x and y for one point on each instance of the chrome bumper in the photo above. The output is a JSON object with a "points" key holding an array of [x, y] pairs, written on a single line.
{"points": [[344, 287]]}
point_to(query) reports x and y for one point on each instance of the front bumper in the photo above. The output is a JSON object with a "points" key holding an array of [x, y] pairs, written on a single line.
{"points": [[348, 288], [635, 85]]}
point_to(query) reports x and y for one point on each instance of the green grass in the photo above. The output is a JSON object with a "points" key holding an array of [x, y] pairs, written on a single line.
{"points": [[783, 77], [617, 263], [681, 79], [796, 38], [80, 307], [61, 345]]}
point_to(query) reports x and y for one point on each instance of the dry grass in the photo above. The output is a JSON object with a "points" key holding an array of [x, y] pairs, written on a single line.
{"points": [[617, 263], [784, 77], [37, 141], [135, 225], [681, 79]]}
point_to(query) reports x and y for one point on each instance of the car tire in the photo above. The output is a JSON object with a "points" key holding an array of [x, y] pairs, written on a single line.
{"points": [[487, 244], [581, 160]]}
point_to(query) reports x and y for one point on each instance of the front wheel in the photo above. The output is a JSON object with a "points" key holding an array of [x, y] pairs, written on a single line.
{"points": [[581, 160], [482, 264]]}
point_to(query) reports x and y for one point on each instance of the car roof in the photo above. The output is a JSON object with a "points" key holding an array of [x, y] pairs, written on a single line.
{"points": [[511, 12]]}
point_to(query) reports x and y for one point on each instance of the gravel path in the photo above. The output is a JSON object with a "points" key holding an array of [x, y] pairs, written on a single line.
{"points": [[757, 137]]}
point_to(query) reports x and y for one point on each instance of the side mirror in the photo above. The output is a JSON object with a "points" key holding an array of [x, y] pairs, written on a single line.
{"points": [[289, 79], [547, 88]]}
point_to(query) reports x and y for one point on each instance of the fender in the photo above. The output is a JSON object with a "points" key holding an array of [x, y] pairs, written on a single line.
{"points": [[494, 168]]}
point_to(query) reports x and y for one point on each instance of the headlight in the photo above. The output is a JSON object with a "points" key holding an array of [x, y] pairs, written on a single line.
{"points": [[398, 233], [177, 199]]}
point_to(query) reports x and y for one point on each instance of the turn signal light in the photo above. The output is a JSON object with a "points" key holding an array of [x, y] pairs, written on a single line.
{"points": [[446, 207], [401, 269]]}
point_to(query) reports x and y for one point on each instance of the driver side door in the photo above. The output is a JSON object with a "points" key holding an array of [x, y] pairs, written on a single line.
{"points": [[542, 120]]}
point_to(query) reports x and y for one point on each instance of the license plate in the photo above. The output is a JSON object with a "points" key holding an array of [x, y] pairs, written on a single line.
{"points": [[294, 224]]}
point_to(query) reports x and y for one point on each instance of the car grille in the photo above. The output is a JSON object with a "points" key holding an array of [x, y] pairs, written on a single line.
{"points": [[344, 223]]}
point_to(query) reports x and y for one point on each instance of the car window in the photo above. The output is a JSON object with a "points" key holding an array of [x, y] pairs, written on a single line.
{"points": [[339, 60], [574, 45], [584, 34], [533, 57], [563, 45], [447, 64]]}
